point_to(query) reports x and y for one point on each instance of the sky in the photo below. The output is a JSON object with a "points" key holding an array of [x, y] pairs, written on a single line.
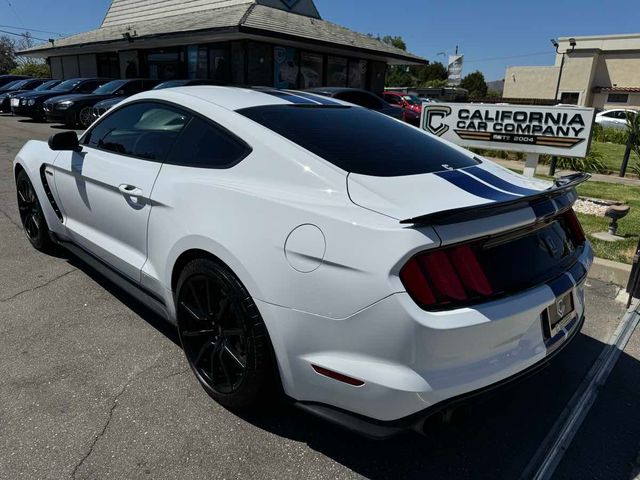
{"points": [[491, 34]]}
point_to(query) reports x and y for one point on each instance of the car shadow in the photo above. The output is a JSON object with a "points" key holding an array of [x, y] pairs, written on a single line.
{"points": [[496, 437]]}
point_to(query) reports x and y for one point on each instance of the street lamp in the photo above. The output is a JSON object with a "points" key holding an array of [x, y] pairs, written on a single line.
{"points": [[556, 45]]}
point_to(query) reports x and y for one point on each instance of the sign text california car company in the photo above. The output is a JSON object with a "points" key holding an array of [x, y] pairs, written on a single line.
{"points": [[564, 131]]}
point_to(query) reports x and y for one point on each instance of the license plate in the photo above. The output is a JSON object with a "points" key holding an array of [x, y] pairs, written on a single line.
{"points": [[558, 315], [15, 102]]}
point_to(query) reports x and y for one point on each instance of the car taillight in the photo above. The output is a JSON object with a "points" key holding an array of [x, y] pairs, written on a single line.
{"points": [[574, 226], [445, 277]]}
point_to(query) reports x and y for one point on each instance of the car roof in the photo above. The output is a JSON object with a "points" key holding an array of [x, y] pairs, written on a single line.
{"points": [[338, 90], [237, 98]]}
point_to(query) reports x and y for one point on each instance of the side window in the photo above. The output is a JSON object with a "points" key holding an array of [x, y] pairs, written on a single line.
{"points": [[202, 144], [132, 87], [145, 130], [360, 98], [393, 99], [88, 87]]}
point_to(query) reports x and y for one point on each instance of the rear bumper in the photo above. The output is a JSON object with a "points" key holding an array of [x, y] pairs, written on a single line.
{"points": [[411, 363], [381, 430]]}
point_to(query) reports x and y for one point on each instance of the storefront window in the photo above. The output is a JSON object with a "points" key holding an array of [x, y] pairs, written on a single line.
{"points": [[108, 65], [336, 72], [311, 70], [358, 73], [285, 67], [219, 64], [165, 65], [260, 64]]}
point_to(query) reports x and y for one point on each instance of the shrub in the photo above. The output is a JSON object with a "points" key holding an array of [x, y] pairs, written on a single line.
{"points": [[593, 163], [36, 70], [610, 135]]}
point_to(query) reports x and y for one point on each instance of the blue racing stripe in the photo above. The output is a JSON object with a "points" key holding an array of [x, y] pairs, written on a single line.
{"points": [[498, 182], [543, 208], [317, 98], [560, 285], [288, 97], [474, 186], [578, 272]]}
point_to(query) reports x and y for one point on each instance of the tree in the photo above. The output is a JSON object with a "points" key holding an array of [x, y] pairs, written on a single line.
{"points": [[426, 74], [36, 70], [7, 55], [397, 42], [475, 83]]}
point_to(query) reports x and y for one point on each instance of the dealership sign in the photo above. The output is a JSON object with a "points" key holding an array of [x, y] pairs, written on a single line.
{"points": [[563, 131]]}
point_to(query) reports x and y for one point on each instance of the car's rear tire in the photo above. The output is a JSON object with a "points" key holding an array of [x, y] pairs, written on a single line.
{"points": [[223, 335], [32, 217]]}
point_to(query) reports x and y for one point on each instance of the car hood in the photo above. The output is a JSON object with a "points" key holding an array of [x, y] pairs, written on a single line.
{"points": [[419, 195], [43, 95], [82, 97]]}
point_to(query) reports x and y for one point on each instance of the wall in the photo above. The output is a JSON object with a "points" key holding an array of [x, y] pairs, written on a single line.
{"points": [[88, 65], [578, 73], [531, 82], [56, 67], [70, 67], [621, 69], [600, 101]]}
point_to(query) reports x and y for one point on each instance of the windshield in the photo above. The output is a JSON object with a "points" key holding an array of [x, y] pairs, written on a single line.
{"points": [[359, 140], [66, 85], [10, 85], [47, 85], [411, 100], [111, 87]]}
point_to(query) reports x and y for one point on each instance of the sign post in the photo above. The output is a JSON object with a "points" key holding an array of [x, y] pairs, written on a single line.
{"points": [[534, 130]]}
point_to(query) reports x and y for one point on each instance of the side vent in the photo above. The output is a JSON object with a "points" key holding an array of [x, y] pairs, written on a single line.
{"points": [[47, 190]]}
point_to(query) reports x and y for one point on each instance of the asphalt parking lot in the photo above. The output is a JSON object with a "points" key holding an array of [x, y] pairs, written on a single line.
{"points": [[95, 386]]}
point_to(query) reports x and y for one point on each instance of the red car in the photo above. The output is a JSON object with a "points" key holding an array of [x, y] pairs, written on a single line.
{"points": [[411, 106]]}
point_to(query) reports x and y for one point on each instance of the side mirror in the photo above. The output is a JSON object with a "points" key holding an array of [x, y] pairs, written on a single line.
{"points": [[64, 141], [120, 92]]}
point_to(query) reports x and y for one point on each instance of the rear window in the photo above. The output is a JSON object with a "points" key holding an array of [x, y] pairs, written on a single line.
{"points": [[359, 140]]}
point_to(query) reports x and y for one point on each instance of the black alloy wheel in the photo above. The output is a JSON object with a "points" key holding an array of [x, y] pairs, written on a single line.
{"points": [[31, 215], [85, 117], [223, 335]]}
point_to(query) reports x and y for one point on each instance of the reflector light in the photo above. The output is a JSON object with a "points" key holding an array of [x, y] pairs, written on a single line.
{"points": [[338, 376]]}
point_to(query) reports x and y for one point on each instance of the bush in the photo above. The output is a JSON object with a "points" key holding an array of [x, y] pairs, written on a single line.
{"points": [[610, 135], [36, 70], [594, 163]]}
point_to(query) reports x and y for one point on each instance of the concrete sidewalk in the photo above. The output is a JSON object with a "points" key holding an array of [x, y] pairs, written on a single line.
{"points": [[544, 170]]}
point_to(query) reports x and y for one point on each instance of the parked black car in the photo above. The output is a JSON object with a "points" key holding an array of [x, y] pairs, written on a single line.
{"points": [[15, 87], [30, 104], [77, 109], [186, 83], [360, 97], [102, 107], [5, 79]]}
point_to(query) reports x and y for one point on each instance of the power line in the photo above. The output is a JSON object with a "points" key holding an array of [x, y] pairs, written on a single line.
{"points": [[31, 30], [14, 12], [24, 35]]}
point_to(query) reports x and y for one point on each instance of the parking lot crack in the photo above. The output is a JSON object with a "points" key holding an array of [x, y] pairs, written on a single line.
{"points": [[109, 418], [11, 220], [37, 287]]}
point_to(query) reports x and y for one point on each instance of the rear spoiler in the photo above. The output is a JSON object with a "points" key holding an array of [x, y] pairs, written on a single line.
{"points": [[561, 196]]}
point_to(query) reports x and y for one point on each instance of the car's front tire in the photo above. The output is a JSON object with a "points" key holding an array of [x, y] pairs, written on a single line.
{"points": [[223, 335], [85, 117], [31, 214]]}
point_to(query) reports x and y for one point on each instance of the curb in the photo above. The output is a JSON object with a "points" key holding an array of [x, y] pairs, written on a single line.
{"points": [[610, 271]]}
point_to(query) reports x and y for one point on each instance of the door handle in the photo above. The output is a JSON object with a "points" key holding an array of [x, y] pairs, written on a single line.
{"points": [[130, 190]]}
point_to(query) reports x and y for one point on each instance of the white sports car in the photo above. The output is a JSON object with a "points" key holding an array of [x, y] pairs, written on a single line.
{"points": [[375, 273]]}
